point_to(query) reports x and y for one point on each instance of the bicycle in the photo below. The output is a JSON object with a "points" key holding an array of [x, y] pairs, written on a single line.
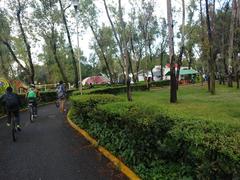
{"points": [[32, 111]]}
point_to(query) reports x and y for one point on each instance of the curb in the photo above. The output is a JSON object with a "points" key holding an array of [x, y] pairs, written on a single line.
{"points": [[118, 163]]}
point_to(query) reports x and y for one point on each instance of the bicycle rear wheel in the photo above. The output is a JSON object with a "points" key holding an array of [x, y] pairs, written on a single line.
{"points": [[31, 113], [13, 129]]}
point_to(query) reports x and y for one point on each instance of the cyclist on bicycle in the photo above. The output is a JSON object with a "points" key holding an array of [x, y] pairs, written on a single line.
{"points": [[12, 105], [32, 96]]}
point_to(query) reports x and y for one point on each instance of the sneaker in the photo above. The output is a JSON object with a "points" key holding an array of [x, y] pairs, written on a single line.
{"points": [[8, 124], [35, 115], [18, 127]]}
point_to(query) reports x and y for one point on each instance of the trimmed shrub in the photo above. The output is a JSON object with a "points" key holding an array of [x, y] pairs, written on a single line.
{"points": [[158, 145], [113, 90], [160, 83]]}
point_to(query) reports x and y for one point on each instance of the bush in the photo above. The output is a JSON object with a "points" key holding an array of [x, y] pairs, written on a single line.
{"points": [[160, 83], [151, 141], [113, 89]]}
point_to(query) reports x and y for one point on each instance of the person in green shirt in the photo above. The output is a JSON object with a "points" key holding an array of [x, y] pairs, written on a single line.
{"points": [[32, 96]]}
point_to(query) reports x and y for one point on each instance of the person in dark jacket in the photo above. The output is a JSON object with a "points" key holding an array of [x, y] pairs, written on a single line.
{"points": [[61, 94], [12, 104]]}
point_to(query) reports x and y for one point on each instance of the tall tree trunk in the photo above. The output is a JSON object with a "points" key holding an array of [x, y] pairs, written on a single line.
{"points": [[15, 57], [131, 66], [238, 57], [28, 47], [211, 59], [135, 78], [122, 68], [114, 31], [150, 57], [173, 88], [161, 63], [126, 53], [3, 67], [231, 41], [203, 42], [182, 43], [74, 62], [103, 54], [54, 49], [237, 76]]}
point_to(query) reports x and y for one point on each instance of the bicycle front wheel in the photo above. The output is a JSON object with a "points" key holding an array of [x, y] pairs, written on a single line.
{"points": [[13, 130]]}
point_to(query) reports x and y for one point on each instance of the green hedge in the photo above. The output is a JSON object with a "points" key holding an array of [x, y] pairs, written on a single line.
{"points": [[160, 83], [158, 145], [113, 89]]}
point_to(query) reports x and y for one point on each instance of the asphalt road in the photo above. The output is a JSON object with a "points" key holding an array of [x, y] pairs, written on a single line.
{"points": [[49, 149]]}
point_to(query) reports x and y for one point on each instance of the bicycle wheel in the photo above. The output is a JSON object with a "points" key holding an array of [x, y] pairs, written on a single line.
{"points": [[31, 113], [13, 129]]}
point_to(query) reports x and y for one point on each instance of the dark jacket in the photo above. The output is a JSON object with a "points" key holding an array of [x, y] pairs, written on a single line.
{"points": [[15, 102]]}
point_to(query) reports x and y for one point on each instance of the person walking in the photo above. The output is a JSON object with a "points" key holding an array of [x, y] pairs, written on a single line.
{"points": [[61, 95]]}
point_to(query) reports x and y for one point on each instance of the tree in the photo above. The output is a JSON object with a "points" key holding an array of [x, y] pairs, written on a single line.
{"points": [[182, 46], [19, 8], [136, 40], [126, 52], [173, 88], [211, 59], [163, 44], [5, 39], [231, 41], [148, 26], [74, 62], [47, 19], [89, 18], [122, 46]]}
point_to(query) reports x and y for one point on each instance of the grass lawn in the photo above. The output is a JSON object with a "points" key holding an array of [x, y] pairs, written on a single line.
{"points": [[195, 102]]}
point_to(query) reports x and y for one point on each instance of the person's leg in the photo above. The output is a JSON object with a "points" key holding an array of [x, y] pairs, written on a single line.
{"points": [[61, 105], [9, 118], [35, 107], [17, 118], [64, 101]]}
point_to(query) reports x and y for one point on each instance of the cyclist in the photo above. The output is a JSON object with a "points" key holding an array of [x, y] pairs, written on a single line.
{"points": [[32, 96], [12, 105], [61, 95]]}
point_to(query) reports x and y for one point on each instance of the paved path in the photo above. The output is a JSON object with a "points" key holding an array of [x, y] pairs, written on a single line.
{"points": [[49, 149]]}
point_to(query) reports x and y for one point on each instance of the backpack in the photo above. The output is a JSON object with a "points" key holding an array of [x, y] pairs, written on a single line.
{"points": [[31, 94], [11, 101], [61, 91]]}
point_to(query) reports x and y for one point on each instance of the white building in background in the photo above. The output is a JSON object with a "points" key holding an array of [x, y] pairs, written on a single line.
{"points": [[156, 74], [166, 69], [184, 73]]}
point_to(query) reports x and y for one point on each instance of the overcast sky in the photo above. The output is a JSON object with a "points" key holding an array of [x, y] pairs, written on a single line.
{"points": [[86, 35], [161, 11]]}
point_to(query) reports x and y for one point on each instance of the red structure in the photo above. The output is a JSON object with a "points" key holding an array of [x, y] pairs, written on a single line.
{"points": [[95, 80]]}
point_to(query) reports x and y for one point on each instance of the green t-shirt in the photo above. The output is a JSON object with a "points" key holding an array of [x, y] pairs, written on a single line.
{"points": [[32, 94]]}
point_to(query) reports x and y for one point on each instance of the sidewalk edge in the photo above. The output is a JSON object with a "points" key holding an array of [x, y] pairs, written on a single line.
{"points": [[118, 163]]}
